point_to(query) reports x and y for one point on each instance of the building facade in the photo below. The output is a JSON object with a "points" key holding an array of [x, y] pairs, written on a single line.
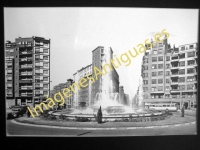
{"points": [[27, 70], [82, 97], [108, 83], [170, 74]]}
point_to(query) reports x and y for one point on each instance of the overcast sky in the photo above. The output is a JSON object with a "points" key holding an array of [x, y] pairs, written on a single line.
{"points": [[75, 32]]}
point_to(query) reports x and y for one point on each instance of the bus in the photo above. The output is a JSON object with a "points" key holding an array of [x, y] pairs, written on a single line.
{"points": [[162, 106]]}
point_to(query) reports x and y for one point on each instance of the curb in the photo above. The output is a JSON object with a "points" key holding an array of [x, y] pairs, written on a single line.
{"points": [[80, 128]]}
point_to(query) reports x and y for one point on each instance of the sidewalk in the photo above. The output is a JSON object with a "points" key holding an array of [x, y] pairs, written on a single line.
{"points": [[170, 120]]}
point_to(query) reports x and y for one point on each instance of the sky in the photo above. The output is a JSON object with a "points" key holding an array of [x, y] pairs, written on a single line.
{"points": [[76, 31]]}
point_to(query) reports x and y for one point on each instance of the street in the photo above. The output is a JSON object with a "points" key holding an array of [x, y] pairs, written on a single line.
{"points": [[16, 129]]}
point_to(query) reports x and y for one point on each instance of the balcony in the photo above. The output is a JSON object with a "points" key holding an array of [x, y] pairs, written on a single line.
{"points": [[174, 83], [26, 87], [175, 90], [25, 81], [174, 67], [9, 86], [175, 60], [9, 64], [26, 45], [26, 53], [26, 73], [26, 66], [26, 94], [26, 59], [175, 75]]}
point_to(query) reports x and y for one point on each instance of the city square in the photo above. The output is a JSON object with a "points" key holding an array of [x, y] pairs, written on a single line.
{"points": [[93, 90]]}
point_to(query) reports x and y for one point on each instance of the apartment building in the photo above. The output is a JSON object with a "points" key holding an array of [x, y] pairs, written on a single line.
{"points": [[69, 101], [27, 67], [108, 83], [170, 74], [82, 97]]}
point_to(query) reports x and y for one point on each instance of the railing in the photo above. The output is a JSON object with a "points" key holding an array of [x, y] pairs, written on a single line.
{"points": [[26, 66], [175, 89], [26, 59], [25, 52], [26, 73], [26, 87], [25, 81], [26, 95]]}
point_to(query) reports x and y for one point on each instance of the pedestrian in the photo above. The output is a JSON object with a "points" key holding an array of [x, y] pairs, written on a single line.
{"points": [[183, 110], [99, 115], [28, 113]]}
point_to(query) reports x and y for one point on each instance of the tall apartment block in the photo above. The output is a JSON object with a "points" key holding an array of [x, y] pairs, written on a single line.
{"points": [[101, 56], [170, 74], [27, 67]]}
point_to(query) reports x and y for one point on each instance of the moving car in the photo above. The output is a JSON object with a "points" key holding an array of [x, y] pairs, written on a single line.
{"points": [[17, 111]]}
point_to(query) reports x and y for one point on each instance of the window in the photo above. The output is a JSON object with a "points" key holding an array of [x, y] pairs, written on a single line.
{"points": [[160, 58], [155, 52], [160, 81], [153, 81], [147, 53], [154, 59], [191, 54], [153, 89], [167, 95], [45, 50], [190, 70], [182, 71], [160, 88], [45, 93], [160, 73], [181, 79], [45, 78], [45, 72], [191, 78], [167, 65], [167, 73], [45, 64], [182, 56], [160, 51], [190, 87], [191, 62], [45, 86], [167, 88], [146, 60], [182, 63], [154, 66], [145, 89], [182, 87], [145, 81], [183, 48], [146, 67], [160, 66], [167, 58], [191, 46], [45, 57], [145, 74], [101, 50], [154, 73]]}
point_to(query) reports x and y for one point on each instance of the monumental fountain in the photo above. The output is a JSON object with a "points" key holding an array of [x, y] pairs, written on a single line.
{"points": [[108, 100]]}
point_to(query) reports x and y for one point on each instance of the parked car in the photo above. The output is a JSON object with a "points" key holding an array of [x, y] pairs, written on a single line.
{"points": [[17, 111], [11, 106]]}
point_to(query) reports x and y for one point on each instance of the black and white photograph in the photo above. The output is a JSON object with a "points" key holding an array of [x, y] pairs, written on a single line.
{"points": [[100, 71]]}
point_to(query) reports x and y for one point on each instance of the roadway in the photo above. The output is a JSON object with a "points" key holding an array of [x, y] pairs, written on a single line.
{"points": [[24, 130]]}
